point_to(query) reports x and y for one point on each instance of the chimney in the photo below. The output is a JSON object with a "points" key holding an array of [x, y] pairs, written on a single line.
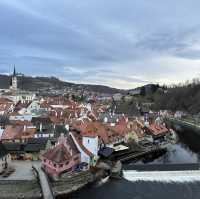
{"points": [[67, 127], [40, 126], [61, 139], [71, 152]]}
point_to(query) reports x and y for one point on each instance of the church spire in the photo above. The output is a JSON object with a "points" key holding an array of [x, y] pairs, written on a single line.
{"points": [[13, 85], [14, 72]]}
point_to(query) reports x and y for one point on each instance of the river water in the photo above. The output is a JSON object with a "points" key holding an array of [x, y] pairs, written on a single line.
{"points": [[187, 150]]}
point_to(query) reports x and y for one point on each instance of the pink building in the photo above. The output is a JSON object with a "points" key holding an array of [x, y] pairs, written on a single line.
{"points": [[62, 158]]}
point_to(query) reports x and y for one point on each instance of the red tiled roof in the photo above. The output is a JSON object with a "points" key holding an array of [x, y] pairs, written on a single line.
{"points": [[59, 101], [12, 132], [59, 154], [21, 122], [14, 114], [5, 107], [5, 104], [157, 129], [17, 132], [56, 120], [4, 100], [105, 132]]}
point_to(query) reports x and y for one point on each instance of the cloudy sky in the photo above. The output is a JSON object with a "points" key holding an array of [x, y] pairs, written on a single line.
{"points": [[120, 43]]}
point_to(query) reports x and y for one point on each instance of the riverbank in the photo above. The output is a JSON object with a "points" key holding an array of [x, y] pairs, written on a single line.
{"points": [[18, 189], [183, 125], [25, 182], [178, 156]]}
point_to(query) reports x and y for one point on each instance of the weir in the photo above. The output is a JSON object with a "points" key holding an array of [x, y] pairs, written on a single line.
{"points": [[162, 176]]}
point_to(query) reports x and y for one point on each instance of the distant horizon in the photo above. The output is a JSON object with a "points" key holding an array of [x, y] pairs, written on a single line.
{"points": [[51, 76], [118, 44]]}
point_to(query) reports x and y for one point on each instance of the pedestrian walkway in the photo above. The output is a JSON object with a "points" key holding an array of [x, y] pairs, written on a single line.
{"points": [[45, 185]]}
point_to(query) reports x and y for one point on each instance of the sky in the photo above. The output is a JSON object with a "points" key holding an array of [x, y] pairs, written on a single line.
{"points": [[119, 43]]}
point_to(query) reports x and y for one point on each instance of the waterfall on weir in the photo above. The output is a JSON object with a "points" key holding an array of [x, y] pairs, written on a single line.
{"points": [[162, 176]]}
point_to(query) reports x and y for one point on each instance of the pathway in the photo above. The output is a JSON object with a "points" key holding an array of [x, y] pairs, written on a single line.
{"points": [[45, 185]]}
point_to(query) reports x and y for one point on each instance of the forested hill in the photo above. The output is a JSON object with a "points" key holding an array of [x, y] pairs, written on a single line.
{"points": [[185, 98], [35, 83]]}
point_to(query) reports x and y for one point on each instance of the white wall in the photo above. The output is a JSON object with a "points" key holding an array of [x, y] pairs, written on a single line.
{"points": [[84, 156], [91, 144], [1, 132]]}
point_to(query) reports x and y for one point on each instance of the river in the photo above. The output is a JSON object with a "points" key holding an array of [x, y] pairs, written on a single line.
{"points": [[187, 150]]}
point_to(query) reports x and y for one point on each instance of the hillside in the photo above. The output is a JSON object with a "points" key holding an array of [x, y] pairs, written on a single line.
{"points": [[184, 97], [45, 83]]}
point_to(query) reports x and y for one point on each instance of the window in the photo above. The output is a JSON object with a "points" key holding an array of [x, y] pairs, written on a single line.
{"points": [[88, 141]]}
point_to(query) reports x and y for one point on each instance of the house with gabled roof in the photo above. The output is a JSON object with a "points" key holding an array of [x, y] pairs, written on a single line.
{"points": [[63, 157]]}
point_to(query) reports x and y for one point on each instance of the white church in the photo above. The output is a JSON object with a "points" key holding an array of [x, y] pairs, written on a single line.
{"points": [[16, 94], [13, 85]]}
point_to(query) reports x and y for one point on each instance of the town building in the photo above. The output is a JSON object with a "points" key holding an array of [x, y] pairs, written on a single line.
{"points": [[63, 157], [18, 132], [31, 149]]}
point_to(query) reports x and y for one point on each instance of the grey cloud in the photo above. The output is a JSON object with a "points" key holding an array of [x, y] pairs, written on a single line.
{"points": [[96, 38]]}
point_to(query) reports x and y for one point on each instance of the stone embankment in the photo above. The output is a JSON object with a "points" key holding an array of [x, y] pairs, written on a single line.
{"points": [[27, 183], [22, 183], [29, 189], [71, 182]]}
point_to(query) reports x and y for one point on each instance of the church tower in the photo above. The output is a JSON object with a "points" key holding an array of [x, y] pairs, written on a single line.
{"points": [[13, 85]]}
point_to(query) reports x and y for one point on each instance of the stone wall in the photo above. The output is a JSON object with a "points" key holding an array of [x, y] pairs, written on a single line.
{"points": [[20, 189]]}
